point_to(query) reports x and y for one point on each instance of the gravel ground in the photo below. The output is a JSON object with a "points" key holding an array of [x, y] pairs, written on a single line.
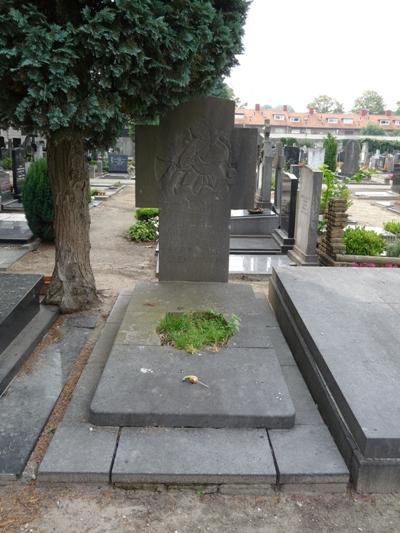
{"points": [[26, 506]]}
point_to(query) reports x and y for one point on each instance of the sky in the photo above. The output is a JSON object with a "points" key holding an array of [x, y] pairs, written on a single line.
{"points": [[296, 50]]}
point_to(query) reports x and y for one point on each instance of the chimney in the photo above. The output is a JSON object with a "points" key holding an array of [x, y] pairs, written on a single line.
{"points": [[388, 113], [364, 112], [311, 110], [258, 107], [285, 108]]}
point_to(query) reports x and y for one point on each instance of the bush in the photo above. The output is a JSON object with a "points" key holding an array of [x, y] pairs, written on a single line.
{"points": [[393, 249], [392, 227], [334, 188], [330, 145], [38, 201], [147, 213], [359, 241], [143, 230], [6, 163]]}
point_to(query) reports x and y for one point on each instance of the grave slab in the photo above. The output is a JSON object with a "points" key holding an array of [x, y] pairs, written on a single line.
{"points": [[142, 386], [28, 401], [15, 232], [355, 345], [308, 454], [19, 303], [193, 456], [148, 377], [10, 255]]}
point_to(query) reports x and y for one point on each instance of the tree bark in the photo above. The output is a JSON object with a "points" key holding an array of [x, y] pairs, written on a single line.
{"points": [[73, 286]]}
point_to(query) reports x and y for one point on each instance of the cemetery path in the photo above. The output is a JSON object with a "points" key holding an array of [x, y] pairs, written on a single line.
{"points": [[88, 508], [116, 261], [366, 213]]}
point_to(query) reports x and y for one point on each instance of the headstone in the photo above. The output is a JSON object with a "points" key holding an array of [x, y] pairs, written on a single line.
{"points": [[340, 156], [196, 167], [39, 150], [16, 142], [396, 173], [92, 171], [117, 164], [99, 166], [284, 235], [5, 186], [303, 154], [18, 171], [389, 163], [316, 157], [266, 160], [364, 160], [279, 168], [307, 217], [292, 155], [351, 163]]}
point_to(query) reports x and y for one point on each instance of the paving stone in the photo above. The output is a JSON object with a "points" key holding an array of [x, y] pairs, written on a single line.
{"points": [[351, 328], [81, 453], [28, 401], [306, 411], [15, 232], [280, 346], [308, 454], [142, 386], [84, 320], [193, 456]]}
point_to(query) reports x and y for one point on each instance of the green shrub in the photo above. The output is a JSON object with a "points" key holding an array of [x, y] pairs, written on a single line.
{"points": [[38, 201], [393, 249], [143, 230], [6, 163], [334, 188], [147, 213], [392, 227], [330, 145], [359, 241]]}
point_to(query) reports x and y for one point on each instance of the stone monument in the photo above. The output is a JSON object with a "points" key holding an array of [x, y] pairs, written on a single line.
{"points": [[316, 157], [267, 157], [196, 167], [351, 164], [307, 217]]}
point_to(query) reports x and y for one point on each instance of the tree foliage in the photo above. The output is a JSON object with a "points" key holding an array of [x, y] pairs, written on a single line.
{"points": [[281, 106], [331, 146], [69, 65], [373, 129], [222, 90], [326, 104], [371, 101]]}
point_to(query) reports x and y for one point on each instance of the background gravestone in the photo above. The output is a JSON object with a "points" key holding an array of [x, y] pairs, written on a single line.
{"points": [[117, 164], [351, 163], [316, 157], [18, 171], [196, 167], [307, 217], [292, 155]]}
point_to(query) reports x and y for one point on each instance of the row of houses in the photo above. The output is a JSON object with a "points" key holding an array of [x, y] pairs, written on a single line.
{"points": [[312, 123]]}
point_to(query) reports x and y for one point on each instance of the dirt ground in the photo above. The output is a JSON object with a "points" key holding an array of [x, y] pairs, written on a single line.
{"points": [[27, 506]]}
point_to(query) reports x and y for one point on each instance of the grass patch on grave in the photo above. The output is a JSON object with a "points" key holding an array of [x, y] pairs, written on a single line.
{"points": [[197, 330]]}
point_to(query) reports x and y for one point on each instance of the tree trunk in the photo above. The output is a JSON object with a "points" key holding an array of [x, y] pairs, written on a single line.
{"points": [[73, 287]]}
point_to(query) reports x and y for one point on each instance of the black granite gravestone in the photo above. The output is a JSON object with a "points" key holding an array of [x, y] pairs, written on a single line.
{"points": [[117, 164], [292, 155], [18, 170], [196, 167]]}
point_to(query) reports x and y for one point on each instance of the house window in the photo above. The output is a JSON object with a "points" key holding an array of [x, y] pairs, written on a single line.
{"points": [[384, 122], [294, 119], [332, 120], [347, 121], [397, 122], [279, 117], [239, 116]]}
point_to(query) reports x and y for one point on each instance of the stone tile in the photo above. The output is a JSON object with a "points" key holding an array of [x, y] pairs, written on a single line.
{"points": [[308, 454], [193, 456], [280, 346], [10, 255], [306, 410], [142, 386], [250, 264], [119, 309], [15, 232], [81, 453]]}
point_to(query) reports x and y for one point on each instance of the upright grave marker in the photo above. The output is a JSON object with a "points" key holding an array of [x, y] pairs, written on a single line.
{"points": [[117, 164], [267, 157], [307, 216], [18, 171], [196, 167], [351, 163]]}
